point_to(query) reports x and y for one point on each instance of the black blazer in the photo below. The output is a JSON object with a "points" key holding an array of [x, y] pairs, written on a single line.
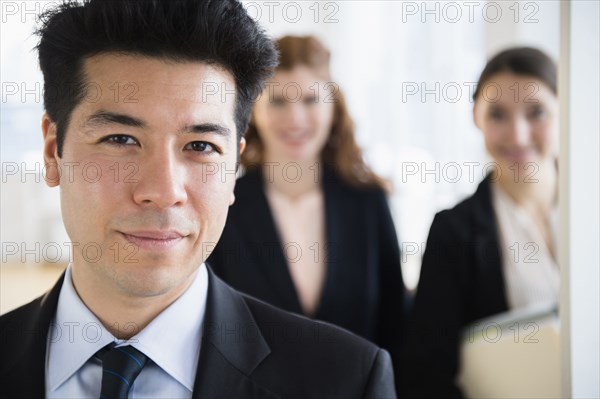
{"points": [[461, 281], [363, 291], [249, 350]]}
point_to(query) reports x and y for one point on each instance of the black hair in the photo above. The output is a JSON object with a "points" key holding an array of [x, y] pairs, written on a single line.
{"points": [[525, 61], [218, 32]]}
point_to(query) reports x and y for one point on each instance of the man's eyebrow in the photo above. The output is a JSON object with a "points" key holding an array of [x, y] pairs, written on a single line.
{"points": [[101, 118], [208, 128]]}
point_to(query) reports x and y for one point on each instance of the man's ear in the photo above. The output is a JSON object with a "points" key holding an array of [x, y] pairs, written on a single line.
{"points": [[242, 148], [242, 145], [51, 159]]}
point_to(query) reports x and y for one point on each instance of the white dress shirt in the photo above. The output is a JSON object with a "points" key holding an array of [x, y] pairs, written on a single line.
{"points": [[531, 274], [171, 342]]}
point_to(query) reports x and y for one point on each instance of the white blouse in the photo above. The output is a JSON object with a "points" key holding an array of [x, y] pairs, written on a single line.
{"points": [[531, 275]]}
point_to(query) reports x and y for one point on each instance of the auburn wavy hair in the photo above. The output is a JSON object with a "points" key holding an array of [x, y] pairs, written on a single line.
{"points": [[341, 153]]}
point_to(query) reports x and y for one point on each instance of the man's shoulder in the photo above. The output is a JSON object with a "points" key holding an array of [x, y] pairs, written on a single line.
{"points": [[291, 355], [309, 356], [19, 332], [279, 326], [25, 328], [20, 315], [40, 309]]}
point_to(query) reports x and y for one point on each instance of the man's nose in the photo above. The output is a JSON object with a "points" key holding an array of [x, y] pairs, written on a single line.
{"points": [[161, 180]]}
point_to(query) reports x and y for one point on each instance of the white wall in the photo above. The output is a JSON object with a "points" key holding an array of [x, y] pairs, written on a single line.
{"points": [[31, 225], [580, 198]]}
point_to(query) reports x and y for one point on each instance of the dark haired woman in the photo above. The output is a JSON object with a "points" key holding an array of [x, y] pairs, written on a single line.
{"points": [[495, 251], [312, 232]]}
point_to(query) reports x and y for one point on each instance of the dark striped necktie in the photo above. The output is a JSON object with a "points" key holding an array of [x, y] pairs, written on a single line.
{"points": [[120, 367]]}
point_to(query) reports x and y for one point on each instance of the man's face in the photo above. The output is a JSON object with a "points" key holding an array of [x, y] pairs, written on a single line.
{"points": [[147, 171]]}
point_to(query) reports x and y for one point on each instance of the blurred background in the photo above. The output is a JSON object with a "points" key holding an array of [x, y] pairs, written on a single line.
{"points": [[408, 70]]}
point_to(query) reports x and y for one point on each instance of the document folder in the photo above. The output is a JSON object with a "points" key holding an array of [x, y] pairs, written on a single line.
{"points": [[512, 355]]}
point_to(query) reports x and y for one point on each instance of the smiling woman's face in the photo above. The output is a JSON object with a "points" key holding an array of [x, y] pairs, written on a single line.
{"points": [[518, 116], [294, 115], [150, 165]]}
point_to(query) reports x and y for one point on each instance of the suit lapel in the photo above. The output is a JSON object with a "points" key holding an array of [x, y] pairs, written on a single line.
{"points": [[29, 372], [487, 246], [258, 222], [334, 235], [232, 347], [349, 254]]}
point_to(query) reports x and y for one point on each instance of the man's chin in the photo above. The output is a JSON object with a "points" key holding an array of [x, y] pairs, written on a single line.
{"points": [[156, 280]]}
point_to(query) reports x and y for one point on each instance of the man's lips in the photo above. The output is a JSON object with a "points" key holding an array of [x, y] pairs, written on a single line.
{"points": [[156, 241]]}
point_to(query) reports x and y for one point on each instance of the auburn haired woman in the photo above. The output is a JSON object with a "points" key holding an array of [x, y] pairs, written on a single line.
{"points": [[312, 232]]}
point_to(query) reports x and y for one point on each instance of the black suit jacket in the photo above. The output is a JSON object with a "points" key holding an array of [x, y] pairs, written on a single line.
{"points": [[461, 281], [249, 350], [363, 291]]}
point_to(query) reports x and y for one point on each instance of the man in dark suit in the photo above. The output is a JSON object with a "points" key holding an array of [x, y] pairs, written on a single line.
{"points": [[146, 103]]}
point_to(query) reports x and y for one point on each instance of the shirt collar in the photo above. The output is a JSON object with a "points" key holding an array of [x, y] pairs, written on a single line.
{"points": [[76, 334], [172, 339]]}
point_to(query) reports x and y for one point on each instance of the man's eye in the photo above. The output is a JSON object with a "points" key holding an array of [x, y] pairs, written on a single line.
{"points": [[201, 146], [120, 139]]}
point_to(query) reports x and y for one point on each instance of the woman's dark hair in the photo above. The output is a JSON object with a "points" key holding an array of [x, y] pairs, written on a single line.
{"points": [[341, 152], [524, 61], [217, 32]]}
